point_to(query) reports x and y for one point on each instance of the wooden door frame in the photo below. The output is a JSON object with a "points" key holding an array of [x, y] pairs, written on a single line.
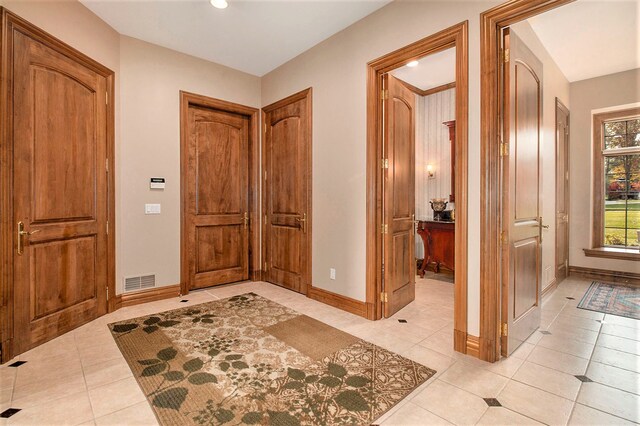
{"points": [[188, 99], [8, 22], [492, 22], [307, 96], [561, 106], [454, 36]]}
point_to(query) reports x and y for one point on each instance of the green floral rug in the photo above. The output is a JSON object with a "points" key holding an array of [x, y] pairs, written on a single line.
{"points": [[248, 360]]}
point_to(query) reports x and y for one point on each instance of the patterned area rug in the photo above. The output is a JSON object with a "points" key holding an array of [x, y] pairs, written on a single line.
{"points": [[248, 360], [614, 299]]}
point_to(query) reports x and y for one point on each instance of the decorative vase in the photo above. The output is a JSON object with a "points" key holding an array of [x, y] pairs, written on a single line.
{"points": [[438, 205]]}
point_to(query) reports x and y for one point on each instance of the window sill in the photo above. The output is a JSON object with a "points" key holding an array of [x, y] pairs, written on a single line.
{"points": [[613, 253]]}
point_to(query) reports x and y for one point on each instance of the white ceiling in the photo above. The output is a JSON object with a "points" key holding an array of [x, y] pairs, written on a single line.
{"points": [[432, 71], [591, 38], [252, 36]]}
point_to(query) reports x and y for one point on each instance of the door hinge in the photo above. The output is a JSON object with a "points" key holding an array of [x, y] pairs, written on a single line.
{"points": [[506, 55], [106, 98], [504, 149], [264, 126], [106, 164], [566, 175], [505, 329], [107, 292], [384, 94], [566, 264], [265, 175], [384, 298], [384, 163], [384, 228], [503, 237], [107, 227]]}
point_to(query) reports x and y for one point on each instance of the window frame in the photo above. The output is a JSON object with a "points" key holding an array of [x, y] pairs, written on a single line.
{"points": [[598, 247]]}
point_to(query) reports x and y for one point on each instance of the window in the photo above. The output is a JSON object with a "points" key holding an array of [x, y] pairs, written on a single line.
{"points": [[617, 181]]}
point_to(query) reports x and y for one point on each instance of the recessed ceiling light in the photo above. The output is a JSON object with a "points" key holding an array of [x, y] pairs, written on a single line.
{"points": [[410, 64], [220, 4]]}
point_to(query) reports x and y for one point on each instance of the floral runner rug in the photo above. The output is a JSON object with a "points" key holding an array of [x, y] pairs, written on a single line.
{"points": [[248, 360], [615, 299]]}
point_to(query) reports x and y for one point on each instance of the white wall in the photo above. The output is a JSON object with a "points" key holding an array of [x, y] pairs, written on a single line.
{"points": [[433, 147], [151, 79], [336, 68], [554, 85], [587, 96]]}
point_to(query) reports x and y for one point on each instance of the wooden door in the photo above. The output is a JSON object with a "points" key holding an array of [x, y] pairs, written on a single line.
{"points": [[216, 197], [562, 192], [60, 191], [399, 197], [287, 192], [522, 202]]}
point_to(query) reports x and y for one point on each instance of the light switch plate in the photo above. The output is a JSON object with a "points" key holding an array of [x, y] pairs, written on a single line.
{"points": [[152, 209]]}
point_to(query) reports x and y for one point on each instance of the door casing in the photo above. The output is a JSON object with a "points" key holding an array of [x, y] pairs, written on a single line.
{"points": [[190, 99], [564, 178], [455, 36], [10, 23], [492, 23]]}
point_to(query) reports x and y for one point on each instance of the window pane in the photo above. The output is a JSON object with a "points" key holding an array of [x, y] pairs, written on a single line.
{"points": [[633, 139], [611, 142], [614, 237], [633, 126], [615, 128], [632, 237]]}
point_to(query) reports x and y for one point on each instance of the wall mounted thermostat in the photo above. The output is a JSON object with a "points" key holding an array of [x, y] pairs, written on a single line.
{"points": [[156, 183]]}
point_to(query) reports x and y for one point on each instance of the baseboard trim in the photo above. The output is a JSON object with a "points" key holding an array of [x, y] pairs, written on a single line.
{"points": [[548, 289], [618, 277], [473, 345], [338, 301], [150, 295]]}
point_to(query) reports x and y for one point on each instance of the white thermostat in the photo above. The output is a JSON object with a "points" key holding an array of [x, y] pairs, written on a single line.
{"points": [[156, 183]]}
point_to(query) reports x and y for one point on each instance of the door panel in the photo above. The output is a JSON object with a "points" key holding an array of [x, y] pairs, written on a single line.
{"points": [[61, 190], [399, 197], [287, 192], [217, 197], [562, 192], [521, 185]]}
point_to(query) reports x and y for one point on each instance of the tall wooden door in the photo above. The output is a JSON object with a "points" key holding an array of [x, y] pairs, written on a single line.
{"points": [[562, 191], [286, 155], [60, 191], [522, 202], [399, 197], [216, 197]]}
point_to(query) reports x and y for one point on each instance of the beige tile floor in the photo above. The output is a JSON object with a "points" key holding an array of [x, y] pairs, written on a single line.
{"points": [[81, 377]]}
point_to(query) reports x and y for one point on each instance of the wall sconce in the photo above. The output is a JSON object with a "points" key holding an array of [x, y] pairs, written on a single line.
{"points": [[430, 172]]}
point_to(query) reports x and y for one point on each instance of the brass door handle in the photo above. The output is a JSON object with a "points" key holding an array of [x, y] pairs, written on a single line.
{"points": [[544, 226], [303, 222], [21, 234]]}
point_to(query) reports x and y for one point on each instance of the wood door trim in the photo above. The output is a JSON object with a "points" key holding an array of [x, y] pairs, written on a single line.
{"points": [[428, 92], [8, 22], [492, 22], [307, 96], [561, 107], [455, 36], [188, 99]]}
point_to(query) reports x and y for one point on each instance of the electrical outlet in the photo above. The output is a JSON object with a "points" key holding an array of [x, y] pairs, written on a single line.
{"points": [[152, 209], [332, 273]]}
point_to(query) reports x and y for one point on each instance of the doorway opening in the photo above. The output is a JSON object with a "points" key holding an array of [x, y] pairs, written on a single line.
{"points": [[394, 173]]}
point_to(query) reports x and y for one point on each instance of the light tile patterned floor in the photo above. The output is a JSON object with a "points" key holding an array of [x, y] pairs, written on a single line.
{"points": [[81, 377]]}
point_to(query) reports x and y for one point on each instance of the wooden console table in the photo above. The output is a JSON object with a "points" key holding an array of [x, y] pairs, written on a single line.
{"points": [[438, 239]]}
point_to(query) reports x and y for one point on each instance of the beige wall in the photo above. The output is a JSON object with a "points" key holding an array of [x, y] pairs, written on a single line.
{"points": [[336, 68], [151, 79], [554, 85], [588, 96]]}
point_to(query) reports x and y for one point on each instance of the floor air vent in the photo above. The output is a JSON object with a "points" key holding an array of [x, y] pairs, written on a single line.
{"points": [[139, 283]]}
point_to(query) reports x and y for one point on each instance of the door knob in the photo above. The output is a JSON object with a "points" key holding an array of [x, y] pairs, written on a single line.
{"points": [[303, 222], [21, 234]]}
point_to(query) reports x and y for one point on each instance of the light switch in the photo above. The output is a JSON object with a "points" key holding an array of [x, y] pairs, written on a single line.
{"points": [[152, 209]]}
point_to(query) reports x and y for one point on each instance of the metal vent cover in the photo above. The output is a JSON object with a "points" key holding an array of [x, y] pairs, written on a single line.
{"points": [[140, 282]]}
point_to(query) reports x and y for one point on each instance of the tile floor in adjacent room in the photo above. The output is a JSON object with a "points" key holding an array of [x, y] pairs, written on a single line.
{"points": [[81, 377]]}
